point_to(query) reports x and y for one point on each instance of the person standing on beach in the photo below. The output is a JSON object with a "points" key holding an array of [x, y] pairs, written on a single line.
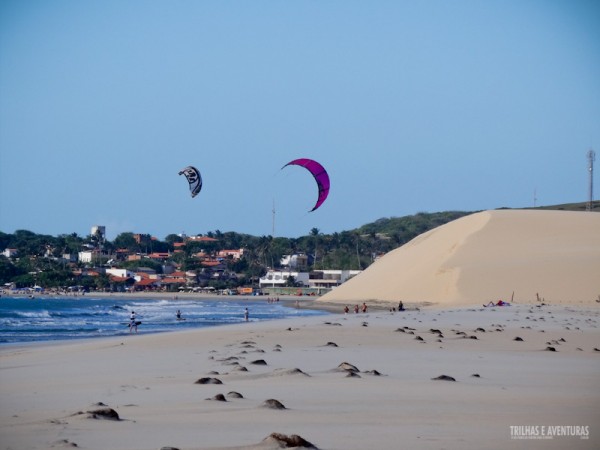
{"points": [[246, 314]]}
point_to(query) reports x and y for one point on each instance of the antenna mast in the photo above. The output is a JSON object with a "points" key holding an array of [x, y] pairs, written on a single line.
{"points": [[273, 211], [591, 157]]}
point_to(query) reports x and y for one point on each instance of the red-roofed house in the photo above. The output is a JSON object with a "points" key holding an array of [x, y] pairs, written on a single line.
{"points": [[117, 279], [147, 284], [177, 277], [214, 265], [160, 256]]}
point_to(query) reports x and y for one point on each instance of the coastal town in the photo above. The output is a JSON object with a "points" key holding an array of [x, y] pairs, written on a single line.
{"points": [[195, 264]]}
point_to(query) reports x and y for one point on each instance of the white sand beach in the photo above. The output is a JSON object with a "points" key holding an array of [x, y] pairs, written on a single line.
{"points": [[46, 391], [454, 375]]}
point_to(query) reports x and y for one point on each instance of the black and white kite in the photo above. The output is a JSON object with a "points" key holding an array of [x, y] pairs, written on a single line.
{"points": [[194, 179]]}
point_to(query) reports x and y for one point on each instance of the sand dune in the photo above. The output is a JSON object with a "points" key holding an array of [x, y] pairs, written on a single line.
{"points": [[491, 255]]}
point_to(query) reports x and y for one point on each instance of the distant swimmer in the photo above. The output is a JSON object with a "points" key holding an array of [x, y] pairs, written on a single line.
{"points": [[178, 314]]}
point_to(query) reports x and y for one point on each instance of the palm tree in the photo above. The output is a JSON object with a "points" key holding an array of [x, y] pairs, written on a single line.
{"points": [[264, 249], [314, 232]]}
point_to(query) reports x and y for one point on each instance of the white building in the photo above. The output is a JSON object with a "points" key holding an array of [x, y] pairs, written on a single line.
{"points": [[279, 278], [10, 252], [86, 257], [316, 279], [233, 254], [330, 278], [295, 261], [99, 231], [122, 273]]}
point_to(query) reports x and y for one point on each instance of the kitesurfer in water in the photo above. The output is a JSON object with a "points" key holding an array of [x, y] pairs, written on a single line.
{"points": [[132, 322]]}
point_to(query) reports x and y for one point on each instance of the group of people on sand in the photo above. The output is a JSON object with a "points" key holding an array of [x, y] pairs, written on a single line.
{"points": [[400, 307], [363, 308]]}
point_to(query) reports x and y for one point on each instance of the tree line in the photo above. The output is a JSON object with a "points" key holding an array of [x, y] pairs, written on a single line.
{"points": [[39, 257]]}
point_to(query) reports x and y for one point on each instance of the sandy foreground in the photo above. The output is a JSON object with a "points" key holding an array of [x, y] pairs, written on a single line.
{"points": [[49, 392]]}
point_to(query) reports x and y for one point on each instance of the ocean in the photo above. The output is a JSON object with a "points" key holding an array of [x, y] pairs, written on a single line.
{"points": [[57, 318]]}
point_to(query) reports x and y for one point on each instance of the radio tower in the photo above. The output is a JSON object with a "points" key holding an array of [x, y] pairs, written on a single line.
{"points": [[591, 157], [273, 211]]}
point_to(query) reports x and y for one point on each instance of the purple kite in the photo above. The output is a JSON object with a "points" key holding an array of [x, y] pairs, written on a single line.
{"points": [[320, 174]]}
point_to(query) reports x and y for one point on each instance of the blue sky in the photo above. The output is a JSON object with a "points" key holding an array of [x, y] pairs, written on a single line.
{"points": [[411, 106]]}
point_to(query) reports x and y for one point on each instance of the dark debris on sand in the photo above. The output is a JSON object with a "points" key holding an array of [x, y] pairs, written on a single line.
{"points": [[65, 443], [234, 394], [101, 413], [291, 441], [444, 378], [208, 380], [347, 367], [273, 404]]}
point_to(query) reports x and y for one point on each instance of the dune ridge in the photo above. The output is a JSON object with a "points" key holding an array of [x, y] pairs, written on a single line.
{"points": [[524, 256]]}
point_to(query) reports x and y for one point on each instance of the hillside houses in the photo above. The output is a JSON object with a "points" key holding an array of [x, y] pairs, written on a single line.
{"points": [[212, 266], [228, 262]]}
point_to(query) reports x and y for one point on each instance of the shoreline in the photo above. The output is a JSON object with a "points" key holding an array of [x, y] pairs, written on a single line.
{"points": [[302, 302], [308, 302], [292, 304]]}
